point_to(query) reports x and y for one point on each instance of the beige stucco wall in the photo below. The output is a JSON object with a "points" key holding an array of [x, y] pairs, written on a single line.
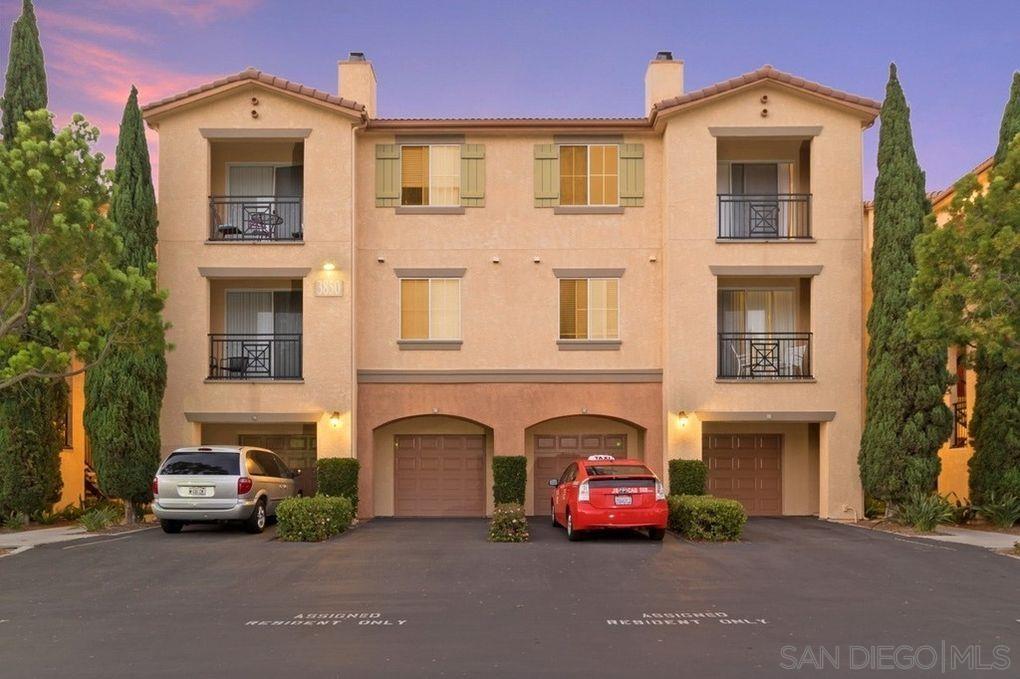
{"points": [[509, 311], [184, 186], [835, 305]]}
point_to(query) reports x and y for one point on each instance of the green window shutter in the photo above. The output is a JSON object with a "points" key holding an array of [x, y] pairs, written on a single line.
{"points": [[632, 175], [547, 175], [387, 175], [472, 175]]}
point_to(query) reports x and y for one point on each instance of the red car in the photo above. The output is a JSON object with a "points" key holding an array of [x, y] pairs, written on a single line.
{"points": [[603, 492]]}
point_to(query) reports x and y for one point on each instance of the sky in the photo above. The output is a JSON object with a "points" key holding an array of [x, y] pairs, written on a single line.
{"points": [[529, 58]]}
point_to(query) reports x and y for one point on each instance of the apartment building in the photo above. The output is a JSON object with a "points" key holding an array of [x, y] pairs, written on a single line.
{"points": [[424, 294]]}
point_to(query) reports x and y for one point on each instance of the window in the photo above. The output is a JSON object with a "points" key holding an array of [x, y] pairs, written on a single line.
{"points": [[430, 308], [589, 308], [201, 463], [430, 175], [589, 175], [757, 311]]}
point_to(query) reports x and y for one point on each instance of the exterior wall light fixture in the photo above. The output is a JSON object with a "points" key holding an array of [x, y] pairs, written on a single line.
{"points": [[682, 419], [334, 419]]}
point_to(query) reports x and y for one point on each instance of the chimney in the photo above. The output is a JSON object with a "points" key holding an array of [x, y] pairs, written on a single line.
{"points": [[356, 80], [664, 79]]}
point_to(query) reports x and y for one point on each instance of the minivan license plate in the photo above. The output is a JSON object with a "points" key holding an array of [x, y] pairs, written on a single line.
{"points": [[197, 491], [624, 500]]}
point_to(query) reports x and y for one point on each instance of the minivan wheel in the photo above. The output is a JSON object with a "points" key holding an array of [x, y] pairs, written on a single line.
{"points": [[657, 534], [256, 523], [572, 534], [171, 526]]}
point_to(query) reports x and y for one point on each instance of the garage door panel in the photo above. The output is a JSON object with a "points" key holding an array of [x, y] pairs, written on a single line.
{"points": [[746, 468], [439, 475]]}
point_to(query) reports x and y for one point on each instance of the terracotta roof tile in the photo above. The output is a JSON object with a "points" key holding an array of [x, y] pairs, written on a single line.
{"points": [[766, 72], [266, 79]]}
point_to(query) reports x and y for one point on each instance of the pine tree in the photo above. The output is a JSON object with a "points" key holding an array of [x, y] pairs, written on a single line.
{"points": [[25, 89], [906, 420], [30, 443], [124, 393], [995, 421]]}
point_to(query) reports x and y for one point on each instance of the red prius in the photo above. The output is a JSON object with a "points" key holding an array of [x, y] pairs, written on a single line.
{"points": [[602, 492]]}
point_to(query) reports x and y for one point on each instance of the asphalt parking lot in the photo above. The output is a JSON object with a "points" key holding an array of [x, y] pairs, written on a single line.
{"points": [[433, 598]]}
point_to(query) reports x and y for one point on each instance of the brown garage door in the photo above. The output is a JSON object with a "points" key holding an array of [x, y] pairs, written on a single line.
{"points": [[439, 475], [554, 452], [746, 467]]}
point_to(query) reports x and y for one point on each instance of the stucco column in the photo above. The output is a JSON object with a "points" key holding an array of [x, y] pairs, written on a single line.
{"points": [[839, 491]]}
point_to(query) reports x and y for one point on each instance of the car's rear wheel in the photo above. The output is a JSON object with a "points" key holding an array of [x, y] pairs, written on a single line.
{"points": [[657, 534], [171, 526], [572, 534], [256, 523]]}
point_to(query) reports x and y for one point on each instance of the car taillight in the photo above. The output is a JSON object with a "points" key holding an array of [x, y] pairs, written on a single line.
{"points": [[583, 492], [243, 485], [155, 485], [660, 490]]}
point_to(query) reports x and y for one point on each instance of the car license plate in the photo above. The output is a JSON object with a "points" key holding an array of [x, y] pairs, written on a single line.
{"points": [[197, 491], [624, 500]]}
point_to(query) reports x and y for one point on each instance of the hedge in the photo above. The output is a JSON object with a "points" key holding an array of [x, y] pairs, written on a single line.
{"points": [[687, 477], [510, 478], [338, 477], [703, 517], [508, 523], [311, 519]]}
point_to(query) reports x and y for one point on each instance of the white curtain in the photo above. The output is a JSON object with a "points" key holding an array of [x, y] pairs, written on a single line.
{"points": [[444, 308], [252, 180], [249, 311], [603, 308], [445, 169], [749, 311]]}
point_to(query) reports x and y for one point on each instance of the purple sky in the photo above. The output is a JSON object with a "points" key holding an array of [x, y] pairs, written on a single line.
{"points": [[563, 58]]}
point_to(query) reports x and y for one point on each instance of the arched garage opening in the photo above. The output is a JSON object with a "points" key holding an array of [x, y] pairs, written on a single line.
{"points": [[431, 466], [553, 444]]}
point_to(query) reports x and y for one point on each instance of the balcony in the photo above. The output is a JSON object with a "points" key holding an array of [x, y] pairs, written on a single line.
{"points": [[765, 355], [780, 216], [255, 356], [253, 218]]}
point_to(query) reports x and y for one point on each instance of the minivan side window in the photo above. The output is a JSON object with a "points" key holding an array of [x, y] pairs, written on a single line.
{"points": [[268, 462], [254, 465], [282, 466]]}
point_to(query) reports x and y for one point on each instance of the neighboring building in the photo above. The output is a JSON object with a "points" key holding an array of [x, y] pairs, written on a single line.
{"points": [[75, 465], [957, 450], [423, 294]]}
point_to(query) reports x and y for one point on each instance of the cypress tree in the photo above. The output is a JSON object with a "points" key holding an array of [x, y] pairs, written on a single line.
{"points": [[124, 393], [906, 420], [30, 441], [995, 420], [25, 89]]}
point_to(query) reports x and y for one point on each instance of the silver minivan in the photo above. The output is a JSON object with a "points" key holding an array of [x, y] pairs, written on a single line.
{"points": [[206, 484]]}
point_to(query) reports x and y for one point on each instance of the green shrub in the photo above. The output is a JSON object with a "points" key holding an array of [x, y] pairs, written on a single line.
{"points": [[508, 523], [338, 477], [14, 521], [687, 477], [311, 519], [924, 511], [1003, 510], [100, 517], [704, 517], [509, 478]]}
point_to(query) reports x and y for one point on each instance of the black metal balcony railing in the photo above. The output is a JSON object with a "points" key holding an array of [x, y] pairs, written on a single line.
{"points": [[776, 216], [764, 355], [255, 356], [959, 439], [254, 218]]}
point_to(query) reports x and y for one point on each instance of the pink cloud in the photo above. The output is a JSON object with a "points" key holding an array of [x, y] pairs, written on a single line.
{"points": [[199, 12], [106, 75], [50, 18]]}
